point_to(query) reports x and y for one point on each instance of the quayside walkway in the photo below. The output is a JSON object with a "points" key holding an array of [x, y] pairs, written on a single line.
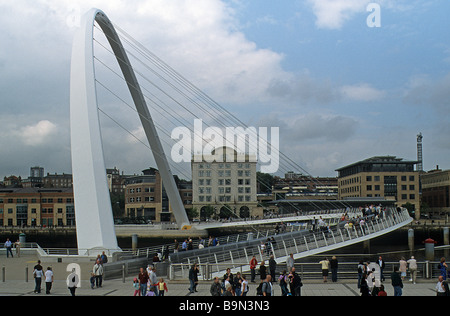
{"points": [[16, 284]]}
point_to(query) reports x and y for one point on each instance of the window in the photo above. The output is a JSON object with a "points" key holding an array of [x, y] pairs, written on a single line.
{"points": [[404, 187], [412, 187], [412, 196], [411, 178], [377, 187], [369, 188], [404, 196], [377, 178], [403, 178], [369, 178]]}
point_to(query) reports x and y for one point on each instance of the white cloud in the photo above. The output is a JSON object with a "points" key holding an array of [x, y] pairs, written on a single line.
{"points": [[332, 14], [362, 92], [38, 134]]}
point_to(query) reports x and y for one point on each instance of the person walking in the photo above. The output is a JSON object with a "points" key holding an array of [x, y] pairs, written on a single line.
{"points": [[283, 282], [403, 268], [162, 287], [48, 280], [442, 287], [17, 244], [382, 265], [295, 283], [325, 265], [143, 279], [153, 280], [8, 246], [38, 273], [267, 288], [397, 282], [290, 262], [244, 285], [361, 271], [272, 267], [412, 263], [253, 264], [443, 268], [334, 268], [193, 278], [262, 271], [137, 290], [98, 273], [216, 287]]}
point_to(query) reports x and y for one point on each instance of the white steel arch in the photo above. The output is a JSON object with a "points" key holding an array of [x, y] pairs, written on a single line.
{"points": [[93, 211]]}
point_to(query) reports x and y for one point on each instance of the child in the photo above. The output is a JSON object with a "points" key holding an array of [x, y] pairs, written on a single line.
{"points": [[162, 286], [92, 280], [150, 290], [136, 287]]}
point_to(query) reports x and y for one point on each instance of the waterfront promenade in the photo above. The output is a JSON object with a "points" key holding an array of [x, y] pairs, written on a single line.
{"points": [[15, 283]]}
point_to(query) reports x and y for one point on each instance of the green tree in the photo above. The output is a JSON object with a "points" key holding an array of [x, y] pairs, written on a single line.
{"points": [[265, 182]]}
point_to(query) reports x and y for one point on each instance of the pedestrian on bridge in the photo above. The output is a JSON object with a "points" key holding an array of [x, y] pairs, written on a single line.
{"points": [[253, 264]]}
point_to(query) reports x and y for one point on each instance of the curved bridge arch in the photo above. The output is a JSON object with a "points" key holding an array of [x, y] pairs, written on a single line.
{"points": [[94, 220]]}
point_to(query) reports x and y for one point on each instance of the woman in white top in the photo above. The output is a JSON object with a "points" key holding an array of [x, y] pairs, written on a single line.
{"points": [[244, 286]]}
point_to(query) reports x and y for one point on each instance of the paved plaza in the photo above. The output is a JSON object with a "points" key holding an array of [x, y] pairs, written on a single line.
{"points": [[15, 283]]}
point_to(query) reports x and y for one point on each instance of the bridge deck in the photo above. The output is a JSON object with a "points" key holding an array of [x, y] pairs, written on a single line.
{"points": [[300, 244]]}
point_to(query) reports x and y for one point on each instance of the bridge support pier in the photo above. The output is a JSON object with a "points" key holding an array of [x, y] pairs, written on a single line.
{"points": [[366, 246], [411, 239]]}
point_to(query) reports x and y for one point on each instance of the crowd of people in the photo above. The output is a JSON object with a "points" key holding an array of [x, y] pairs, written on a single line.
{"points": [[148, 284]]}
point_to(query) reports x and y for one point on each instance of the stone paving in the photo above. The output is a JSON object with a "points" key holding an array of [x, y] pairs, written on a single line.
{"points": [[15, 283]]}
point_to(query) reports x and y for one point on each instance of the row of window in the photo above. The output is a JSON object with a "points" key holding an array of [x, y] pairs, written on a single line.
{"points": [[225, 166], [222, 190], [375, 179], [139, 190], [33, 201], [139, 199], [45, 210], [224, 198]]}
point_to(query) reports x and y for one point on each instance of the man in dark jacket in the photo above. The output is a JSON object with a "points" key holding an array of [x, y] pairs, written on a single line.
{"points": [[193, 279], [216, 287], [397, 282]]}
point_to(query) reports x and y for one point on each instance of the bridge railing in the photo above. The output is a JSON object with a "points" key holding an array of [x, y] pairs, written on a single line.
{"points": [[307, 271], [300, 243]]}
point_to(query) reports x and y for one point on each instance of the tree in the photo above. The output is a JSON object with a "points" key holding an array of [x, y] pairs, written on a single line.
{"points": [[265, 182], [192, 213]]}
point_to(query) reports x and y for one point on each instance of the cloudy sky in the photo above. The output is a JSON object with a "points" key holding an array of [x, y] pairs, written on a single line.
{"points": [[340, 91]]}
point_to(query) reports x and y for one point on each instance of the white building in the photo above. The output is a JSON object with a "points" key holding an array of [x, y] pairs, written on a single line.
{"points": [[225, 181]]}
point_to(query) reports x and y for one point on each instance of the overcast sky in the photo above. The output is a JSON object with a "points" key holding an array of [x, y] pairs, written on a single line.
{"points": [[339, 90]]}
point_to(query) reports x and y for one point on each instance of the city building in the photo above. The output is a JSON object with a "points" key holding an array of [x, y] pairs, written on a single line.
{"points": [[36, 207], [225, 187], [58, 180], [146, 198], [116, 181], [385, 176], [305, 187], [436, 192]]}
